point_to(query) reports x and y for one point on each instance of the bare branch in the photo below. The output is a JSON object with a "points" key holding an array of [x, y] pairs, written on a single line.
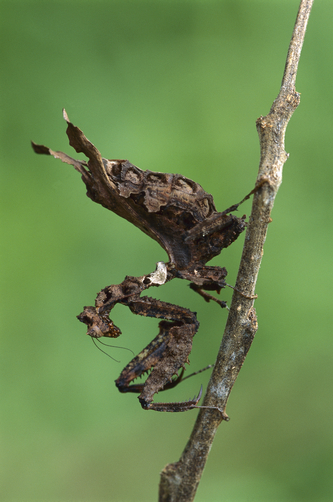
{"points": [[179, 481]]}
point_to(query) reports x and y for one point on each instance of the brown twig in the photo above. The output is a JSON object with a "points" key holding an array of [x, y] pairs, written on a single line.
{"points": [[179, 481]]}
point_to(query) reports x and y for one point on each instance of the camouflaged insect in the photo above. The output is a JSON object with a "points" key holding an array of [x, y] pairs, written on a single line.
{"points": [[177, 213]]}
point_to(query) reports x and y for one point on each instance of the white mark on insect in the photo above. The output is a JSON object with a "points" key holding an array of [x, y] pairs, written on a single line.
{"points": [[160, 274]]}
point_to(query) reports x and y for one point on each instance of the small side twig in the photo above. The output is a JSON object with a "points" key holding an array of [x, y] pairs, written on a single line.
{"points": [[179, 481]]}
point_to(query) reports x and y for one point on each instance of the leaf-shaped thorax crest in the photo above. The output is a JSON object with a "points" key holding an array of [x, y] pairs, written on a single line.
{"points": [[170, 208]]}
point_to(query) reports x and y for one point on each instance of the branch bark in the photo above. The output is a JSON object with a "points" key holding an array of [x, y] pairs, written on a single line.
{"points": [[179, 481]]}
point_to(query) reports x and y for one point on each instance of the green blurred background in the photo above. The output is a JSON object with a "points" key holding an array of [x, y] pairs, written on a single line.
{"points": [[174, 86]]}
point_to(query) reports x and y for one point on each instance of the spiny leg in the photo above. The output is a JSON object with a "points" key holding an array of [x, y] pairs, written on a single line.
{"points": [[165, 355], [206, 278], [206, 296]]}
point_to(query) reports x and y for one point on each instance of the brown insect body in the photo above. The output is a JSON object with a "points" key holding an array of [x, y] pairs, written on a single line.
{"points": [[182, 218]]}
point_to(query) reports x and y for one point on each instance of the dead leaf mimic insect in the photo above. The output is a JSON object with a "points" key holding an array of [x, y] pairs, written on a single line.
{"points": [[182, 218]]}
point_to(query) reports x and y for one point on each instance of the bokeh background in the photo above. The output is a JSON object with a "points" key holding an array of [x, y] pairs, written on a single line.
{"points": [[174, 86]]}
